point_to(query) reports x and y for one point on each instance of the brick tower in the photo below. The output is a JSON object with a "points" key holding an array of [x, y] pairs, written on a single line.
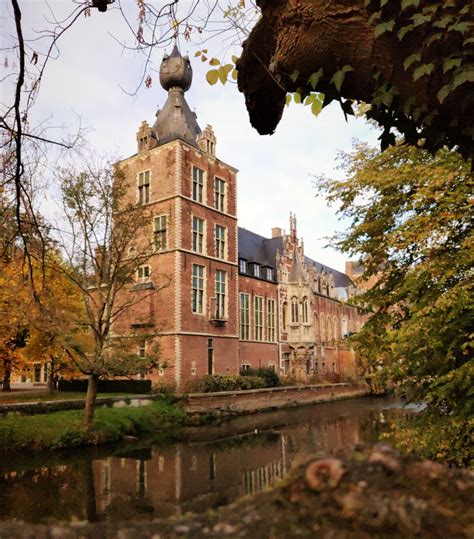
{"points": [[176, 179]]}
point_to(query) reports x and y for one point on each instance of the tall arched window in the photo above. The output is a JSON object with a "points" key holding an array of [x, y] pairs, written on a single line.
{"points": [[304, 310], [336, 329], [316, 324], [329, 333], [284, 308], [294, 310]]}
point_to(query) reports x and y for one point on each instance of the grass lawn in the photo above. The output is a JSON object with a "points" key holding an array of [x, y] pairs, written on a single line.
{"points": [[58, 430], [43, 395]]}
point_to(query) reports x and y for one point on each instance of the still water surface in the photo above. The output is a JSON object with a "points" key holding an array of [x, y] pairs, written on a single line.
{"points": [[215, 466]]}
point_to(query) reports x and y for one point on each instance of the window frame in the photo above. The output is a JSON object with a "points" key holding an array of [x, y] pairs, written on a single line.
{"points": [[244, 316], [143, 187], [271, 320], [220, 198], [198, 242], [198, 277], [145, 271], [258, 317], [294, 310], [242, 265], [197, 185], [221, 295], [220, 244], [161, 233]]}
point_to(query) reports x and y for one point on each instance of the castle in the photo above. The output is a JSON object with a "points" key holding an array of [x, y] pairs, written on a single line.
{"points": [[234, 299]]}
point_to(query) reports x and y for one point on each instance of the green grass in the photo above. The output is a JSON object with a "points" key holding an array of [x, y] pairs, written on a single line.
{"points": [[44, 395], [60, 430]]}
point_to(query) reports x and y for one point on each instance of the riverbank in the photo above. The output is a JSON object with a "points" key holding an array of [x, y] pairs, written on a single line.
{"points": [[60, 430], [366, 492], [54, 425]]}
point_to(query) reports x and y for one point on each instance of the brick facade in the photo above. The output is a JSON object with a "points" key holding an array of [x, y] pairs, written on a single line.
{"points": [[218, 298]]}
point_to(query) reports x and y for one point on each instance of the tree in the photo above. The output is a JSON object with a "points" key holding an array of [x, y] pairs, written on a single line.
{"points": [[410, 60], [411, 221], [105, 246]]}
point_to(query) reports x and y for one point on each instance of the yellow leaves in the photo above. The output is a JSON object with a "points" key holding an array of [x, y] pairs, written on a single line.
{"points": [[222, 72]]}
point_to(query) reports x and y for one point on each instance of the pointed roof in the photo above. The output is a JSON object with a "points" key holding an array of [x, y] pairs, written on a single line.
{"points": [[176, 120]]}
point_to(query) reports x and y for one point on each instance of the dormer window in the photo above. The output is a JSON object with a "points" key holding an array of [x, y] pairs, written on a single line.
{"points": [[269, 274], [242, 265], [256, 270]]}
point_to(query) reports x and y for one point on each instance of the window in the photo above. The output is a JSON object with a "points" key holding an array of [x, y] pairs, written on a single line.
{"points": [[243, 265], [244, 312], [271, 320], [304, 310], [198, 289], [294, 311], [323, 328], [284, 274], [143, 274], [258, 318], [245, 367], [219, 194], [220, 294], [220, 241], [142, 351], [198, 234], [256, 270], [160, 233], [270, 274], [198, 184], [144, 187], [284, 308]]}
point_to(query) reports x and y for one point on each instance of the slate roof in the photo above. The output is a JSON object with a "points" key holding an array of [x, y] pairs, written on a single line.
{"points": [[256, 248]]}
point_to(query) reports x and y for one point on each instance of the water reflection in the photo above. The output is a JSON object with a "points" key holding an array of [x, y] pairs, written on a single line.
{"points": [[161, 481]]}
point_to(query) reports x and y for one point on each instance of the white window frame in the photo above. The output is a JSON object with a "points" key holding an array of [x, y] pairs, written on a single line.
{"points": [[198, 279], [143, 273], [163, 243], [242, 265], [219, 194], [220, 242], [197, 186], [271, 320], [244, 316], [143, 187], [198, 240], [258, 317], [221, 294]]}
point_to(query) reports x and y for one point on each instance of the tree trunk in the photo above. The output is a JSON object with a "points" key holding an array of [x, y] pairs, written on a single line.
{"points": [[7, 368], [90, 400], [51, 376]]}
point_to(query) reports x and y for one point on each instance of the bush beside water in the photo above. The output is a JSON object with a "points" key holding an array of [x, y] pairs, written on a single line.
{"points": [[248, 379]]}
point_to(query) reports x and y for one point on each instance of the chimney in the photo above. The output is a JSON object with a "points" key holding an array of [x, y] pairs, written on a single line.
{"points": [[276, 232]]}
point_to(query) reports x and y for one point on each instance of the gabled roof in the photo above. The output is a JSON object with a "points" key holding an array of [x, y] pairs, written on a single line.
{"points": [[256, 248]]}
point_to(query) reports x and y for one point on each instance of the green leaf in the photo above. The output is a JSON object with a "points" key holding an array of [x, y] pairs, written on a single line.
{"points": [[462, 76], [223, 72], [422, 70], [383, 3], [409, 3], [404, 30], [373, 17], [449, 63], [316, 107], [314, 78], [294, 75], [214, 62], [288, 99], [433, 38], [309, 99], [419, 19], [198, 53], [461, 27], [234, 58], [212, 76], [338, 77], [234, 74], [443, 22], [416, 57], [297, 98], [384, 27]]}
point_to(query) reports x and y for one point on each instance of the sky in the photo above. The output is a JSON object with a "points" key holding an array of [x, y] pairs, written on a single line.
{"points": [[87, 85]]}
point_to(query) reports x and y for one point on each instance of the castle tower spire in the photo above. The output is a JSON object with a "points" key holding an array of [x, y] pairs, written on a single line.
{"points": [[176, 120]]}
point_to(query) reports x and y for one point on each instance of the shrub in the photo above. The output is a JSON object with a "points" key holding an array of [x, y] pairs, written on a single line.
{"points": [[269, 375], [216, 382]]}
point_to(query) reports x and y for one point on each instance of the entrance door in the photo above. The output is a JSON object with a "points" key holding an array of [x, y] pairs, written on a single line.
{"points": [[210, 357]]}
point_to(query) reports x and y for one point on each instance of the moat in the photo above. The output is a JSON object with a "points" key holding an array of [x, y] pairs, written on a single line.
{"points": [[210, 469]]}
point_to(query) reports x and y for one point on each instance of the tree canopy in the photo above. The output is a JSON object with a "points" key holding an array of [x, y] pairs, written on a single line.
{"points": [[411, 60], [411, 221]]}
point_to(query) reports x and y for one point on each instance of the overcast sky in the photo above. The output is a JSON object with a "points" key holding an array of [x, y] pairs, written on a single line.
{"points": [[275, 177]]}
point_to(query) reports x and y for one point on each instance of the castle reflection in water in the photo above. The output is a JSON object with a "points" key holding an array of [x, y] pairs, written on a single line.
{"points": [[161, 481]]}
